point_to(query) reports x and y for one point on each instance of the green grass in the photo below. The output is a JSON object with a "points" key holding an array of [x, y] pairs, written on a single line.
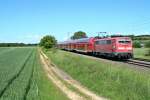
{"points": [[23, 78], [43, 87], [140, 53], [116, 82]]}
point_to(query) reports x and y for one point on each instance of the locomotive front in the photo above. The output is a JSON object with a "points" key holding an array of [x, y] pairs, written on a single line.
{"points": [[123, 48]]}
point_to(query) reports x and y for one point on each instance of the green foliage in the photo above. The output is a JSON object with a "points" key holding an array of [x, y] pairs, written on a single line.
{"points": [[54, 50], [133, 37], [48, 41], [147, 44], [142, 37], [137, 44], [114, 82], [79, 35]]}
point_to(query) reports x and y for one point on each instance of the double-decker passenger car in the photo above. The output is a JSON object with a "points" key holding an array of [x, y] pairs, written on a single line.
{"points": [[119, 47], [85, 45]]}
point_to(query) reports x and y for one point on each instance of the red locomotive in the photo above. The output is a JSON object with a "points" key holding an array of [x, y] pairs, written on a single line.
{"points": [[118, 47]]}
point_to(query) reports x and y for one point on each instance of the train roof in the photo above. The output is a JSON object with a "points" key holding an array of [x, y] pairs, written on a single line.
{"points": [[108, 38], [83, 40], [86, 40]]}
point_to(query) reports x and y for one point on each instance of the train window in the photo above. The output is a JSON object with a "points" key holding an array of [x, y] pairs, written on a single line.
{"points": [[102, 42], [124, 41], [108, 41], [97, 42]]}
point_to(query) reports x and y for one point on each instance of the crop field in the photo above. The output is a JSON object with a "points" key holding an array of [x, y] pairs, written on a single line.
{"points": [[23, 78], [116, 82]]}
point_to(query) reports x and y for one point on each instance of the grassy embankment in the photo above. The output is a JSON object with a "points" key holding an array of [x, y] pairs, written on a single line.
{"points": [[106, 79], [140, 53]]}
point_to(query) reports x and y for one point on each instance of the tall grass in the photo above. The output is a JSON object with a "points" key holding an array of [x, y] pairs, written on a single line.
{"points": [[116, 82]]}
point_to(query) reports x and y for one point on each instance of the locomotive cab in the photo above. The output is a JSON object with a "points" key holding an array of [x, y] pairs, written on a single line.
{"points": [[123, 47]]}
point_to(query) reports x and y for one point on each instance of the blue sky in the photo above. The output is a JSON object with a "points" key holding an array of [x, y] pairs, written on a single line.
{"points": [[28, 20]]}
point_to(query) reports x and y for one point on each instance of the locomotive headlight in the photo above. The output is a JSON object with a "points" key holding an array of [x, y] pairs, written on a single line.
{"points": [[114, 47]]}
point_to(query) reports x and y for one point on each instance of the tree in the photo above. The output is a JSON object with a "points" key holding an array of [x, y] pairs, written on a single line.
{"points": [[137, 44], [48, 41], [79, 35]]}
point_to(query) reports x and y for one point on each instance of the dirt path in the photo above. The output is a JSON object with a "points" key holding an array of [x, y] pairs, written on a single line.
{"points": [[53, 71], [69, 93]]}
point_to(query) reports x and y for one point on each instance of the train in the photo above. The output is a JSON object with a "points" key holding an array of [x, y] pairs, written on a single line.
{"points": [[112, 47]]}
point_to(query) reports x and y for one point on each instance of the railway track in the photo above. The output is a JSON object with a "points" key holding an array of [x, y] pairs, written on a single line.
{"points": [[141, 59], [135, 61], [138, 62]]}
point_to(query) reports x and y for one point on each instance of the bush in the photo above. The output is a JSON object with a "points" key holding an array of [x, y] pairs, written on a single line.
{"points": [[48, 41], [147, 44], [137, 44]]}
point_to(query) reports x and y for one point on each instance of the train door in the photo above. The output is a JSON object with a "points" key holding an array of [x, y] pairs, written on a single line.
{"points": [[113, 45], [108, 46], [86, 47]]}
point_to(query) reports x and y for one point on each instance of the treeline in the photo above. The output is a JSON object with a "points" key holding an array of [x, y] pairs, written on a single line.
{"points": [[134, 37], [16, 44]]}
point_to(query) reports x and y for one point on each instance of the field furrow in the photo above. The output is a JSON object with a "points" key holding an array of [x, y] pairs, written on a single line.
{"points": [[23, 78], [21, 81], [9, 74], [31, 78]]}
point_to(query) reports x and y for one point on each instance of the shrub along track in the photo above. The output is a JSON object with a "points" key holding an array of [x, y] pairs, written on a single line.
{"points": [[58, 76]]}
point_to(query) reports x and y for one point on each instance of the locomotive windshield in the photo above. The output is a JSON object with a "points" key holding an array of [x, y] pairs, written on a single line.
{"points": [[124, 41]]}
